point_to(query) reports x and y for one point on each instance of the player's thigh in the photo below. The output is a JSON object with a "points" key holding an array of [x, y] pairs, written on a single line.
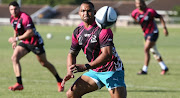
{"points": [[42, 57], [119, 92], [148, 44], [40, 53], [81, 86], [19, 52]]}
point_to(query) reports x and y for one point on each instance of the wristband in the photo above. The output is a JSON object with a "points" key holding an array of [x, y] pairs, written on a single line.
{"points": [[17, 38], [87, 66]]}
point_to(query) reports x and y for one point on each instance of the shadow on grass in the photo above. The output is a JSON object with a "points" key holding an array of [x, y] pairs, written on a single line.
{"points": [[153, 91], [145, 90]]}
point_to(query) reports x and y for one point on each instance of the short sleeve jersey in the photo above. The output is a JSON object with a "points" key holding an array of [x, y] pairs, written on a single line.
{"points": [[146, 20], [91, 40], [22, 24]]}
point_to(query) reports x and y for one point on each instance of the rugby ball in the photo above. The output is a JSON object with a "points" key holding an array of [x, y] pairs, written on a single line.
{"points": [[105, 17]]}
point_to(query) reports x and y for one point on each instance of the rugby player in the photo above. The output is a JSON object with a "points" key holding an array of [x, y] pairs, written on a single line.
{"points": [[104, 66], [29, 40], [145, 17]]}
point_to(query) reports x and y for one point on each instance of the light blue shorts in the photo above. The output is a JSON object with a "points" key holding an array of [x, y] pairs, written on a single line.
{"points": [[110, 79]]}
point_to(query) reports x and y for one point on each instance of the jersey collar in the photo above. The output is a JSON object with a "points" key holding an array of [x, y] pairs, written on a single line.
{"points": [[90, 26]]}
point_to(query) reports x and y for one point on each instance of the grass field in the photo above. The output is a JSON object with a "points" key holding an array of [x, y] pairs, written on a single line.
{"points": [[39, 83]]}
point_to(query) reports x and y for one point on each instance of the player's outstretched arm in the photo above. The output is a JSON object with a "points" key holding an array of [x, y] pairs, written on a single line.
{"points": [[164, 26], [71, 59]]}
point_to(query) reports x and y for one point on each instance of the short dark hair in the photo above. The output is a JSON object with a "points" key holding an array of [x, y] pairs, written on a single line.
{"points": [[89, 3], [14, 3]]}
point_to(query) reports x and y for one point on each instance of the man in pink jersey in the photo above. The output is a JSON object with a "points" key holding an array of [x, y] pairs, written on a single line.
{"points": [[145, 17], [104, 66], [29, 40]]}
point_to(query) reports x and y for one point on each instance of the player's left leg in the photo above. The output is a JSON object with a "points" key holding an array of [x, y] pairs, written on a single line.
{"points": [[158, 57], [148, 44], [18, 53], [44, 62], [119, 92]]}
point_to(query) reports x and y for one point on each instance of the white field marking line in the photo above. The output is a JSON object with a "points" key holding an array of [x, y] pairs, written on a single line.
{"points": [[151, 87]]}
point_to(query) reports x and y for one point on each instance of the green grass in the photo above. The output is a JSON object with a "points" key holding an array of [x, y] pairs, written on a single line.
{"points": [[39, 83]]}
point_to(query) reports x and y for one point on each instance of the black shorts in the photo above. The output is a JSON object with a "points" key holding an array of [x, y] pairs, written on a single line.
{"points": [[38, 50], [153, 36]]}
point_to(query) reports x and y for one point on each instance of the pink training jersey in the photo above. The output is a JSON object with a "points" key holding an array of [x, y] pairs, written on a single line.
{"points": [[146, 19], [21, 24], [91, 40]]}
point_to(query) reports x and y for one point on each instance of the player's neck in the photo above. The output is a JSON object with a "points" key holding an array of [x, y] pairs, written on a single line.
{"points": [[87, 25], [17, 16], [142, 9]]}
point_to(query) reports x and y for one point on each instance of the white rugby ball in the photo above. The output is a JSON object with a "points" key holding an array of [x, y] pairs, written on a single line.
{"points": [[49, 36], [105, 17]]}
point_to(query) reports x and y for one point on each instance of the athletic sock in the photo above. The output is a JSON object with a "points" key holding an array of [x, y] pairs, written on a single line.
{"points": [[58, 78], [145, 68], [19, 80], [163, 66]]}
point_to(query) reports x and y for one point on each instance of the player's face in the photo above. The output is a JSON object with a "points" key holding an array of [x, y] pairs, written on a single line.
{"points": [[86, 13], [14, 10], [140, 5]]}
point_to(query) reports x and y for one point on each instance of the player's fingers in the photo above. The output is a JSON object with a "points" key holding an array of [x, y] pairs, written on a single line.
{"points": [[63, 83], [64, 80], [75, 71]]}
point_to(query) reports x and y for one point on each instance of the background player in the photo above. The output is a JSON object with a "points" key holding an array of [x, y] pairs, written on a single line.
{"points": [[145, 17], [105, 67], [30, 40]]}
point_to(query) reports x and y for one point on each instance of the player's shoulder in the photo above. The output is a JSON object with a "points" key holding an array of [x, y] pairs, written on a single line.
{"points": [[106, 31], [81, 24], [150, 10], [77, 29], [135, 11], [24, 15], [11, 17]]}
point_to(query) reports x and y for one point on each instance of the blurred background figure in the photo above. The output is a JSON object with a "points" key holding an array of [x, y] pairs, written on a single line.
{"points": [[145, 17], [30, 40]]}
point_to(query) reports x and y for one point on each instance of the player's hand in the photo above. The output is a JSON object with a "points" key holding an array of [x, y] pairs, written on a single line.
{"points": [[12, 40], [166, 32], [14, 45], [66, 78], [77, 68]]}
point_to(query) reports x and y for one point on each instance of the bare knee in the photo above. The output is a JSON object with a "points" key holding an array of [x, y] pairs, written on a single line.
{"points": [[14, 59], [119, 92], [44, 64], [69, 94], [146, 50]]}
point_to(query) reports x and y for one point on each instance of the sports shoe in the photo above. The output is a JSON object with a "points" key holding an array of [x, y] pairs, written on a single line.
{"points": [[142, 73], [17, 86], [60, 88], [163, 72]]}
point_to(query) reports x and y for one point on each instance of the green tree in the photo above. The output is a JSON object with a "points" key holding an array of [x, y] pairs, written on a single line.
{"points": [[177, 8]]}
